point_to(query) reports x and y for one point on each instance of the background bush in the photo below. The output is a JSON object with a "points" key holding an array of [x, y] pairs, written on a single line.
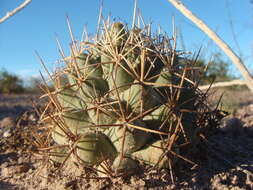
{"points": [[10, 83], [217, 70]]}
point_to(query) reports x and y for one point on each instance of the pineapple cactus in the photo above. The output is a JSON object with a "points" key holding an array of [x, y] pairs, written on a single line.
{"points": [[125, 97]]}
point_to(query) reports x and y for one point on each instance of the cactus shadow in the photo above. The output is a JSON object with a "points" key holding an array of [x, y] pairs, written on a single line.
{"points": [[227, 156], [7, 156], [7, 186]]}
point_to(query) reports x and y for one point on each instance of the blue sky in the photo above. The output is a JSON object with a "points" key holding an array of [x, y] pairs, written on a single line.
{"points": [[34, 28]]}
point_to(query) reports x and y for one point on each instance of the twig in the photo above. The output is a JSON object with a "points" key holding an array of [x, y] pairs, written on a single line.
{"points": [[231, 23], [223, 84], [235, 59], [20, 7]]}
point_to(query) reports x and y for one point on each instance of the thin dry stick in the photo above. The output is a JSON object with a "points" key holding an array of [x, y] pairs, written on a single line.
{"points": [[235, 59], [231, 23], [20, 7], [134, 16], [223, 84]]}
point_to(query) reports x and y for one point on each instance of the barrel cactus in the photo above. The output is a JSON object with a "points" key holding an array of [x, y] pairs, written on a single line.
{"points": [[126, 97]]}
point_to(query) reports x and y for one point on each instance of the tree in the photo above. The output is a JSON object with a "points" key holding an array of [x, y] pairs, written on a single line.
{"points": [[10, 83], [226, 49], [216, 70]]}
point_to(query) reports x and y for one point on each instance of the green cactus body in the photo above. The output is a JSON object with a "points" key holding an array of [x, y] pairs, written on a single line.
{"points": [[133, 58], [74, 69], [152, 68], [124, 165], [164, 77], [68, 98], [86, 65], [134, 138], [123, 79], [93, 67], [89, 68], [93, 148], [105, 113], [163, 117], [93, 88], [162, 82], [158, 114], [152, 155], [107, 61], [137, 94], [118, 34], [59, 154], [77, 121], [59, 135], [62, 82]]}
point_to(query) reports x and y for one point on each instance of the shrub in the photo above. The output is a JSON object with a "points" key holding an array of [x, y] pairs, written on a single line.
{"points": [[217, 70], [10, 83]]}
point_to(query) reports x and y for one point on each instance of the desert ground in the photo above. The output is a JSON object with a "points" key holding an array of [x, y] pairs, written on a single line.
{"points": [[225, 162]]}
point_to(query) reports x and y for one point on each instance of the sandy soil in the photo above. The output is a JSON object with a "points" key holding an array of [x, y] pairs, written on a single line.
{"points": [[225, 161]]}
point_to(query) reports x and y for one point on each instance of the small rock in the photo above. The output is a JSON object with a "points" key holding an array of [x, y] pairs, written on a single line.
{"points": [[4, 165], [251, 107], [232, 125], [235, 180], [5, 172], [142, 182], [12, 170], [8, 122], [33, 117], [20, 160], [7, 133], [30, 171], [124, 166], [22, 168]]}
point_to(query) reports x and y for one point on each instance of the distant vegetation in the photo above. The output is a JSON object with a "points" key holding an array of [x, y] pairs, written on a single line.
{"points": [[13, 84], [10, 83], [217, 70]]}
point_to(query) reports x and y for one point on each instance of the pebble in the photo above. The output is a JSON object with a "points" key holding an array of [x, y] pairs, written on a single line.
{"points": [[232, 125], [235, 180], [32, 117], [7, 133], [4, 165], [7, 122], [251, 107], [13, 170], [20, 160]]}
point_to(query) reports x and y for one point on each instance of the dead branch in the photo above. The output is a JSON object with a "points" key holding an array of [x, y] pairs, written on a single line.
{"points": [[201, 25], [223, 84], [20, 7]]}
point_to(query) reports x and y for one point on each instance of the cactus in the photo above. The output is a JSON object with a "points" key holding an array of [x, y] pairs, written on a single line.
{"points": [[134, 139], [93, 148], [124, 165], [59, 154], [126, 98]]}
